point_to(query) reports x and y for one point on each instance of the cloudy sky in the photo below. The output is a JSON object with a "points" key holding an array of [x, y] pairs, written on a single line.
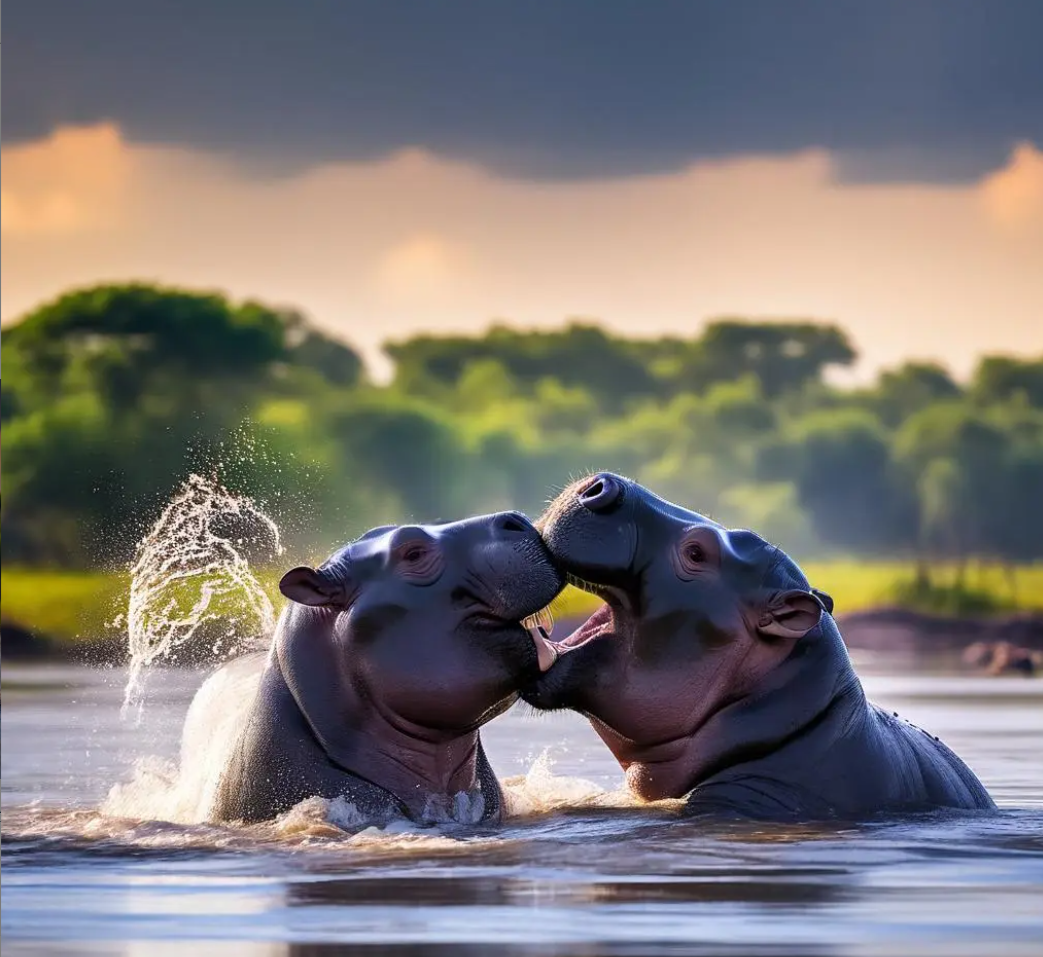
{"points": [[392, 166]]}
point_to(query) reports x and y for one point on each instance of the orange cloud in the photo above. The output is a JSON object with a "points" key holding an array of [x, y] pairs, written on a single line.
{"points": [[71, 182], [421, 266], [413, 242], [1013, 196]]}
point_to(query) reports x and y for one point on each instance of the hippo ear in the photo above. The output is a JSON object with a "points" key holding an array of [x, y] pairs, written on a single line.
{"points": [[306, 586], [827, 600], [790, 614]]}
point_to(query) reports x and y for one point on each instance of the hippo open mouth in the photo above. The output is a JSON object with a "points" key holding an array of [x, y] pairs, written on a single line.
{"points": [[540, 626], [601, 624]]}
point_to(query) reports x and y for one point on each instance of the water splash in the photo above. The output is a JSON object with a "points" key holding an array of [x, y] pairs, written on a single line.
{"points": [[542, 791], [191, 581]]}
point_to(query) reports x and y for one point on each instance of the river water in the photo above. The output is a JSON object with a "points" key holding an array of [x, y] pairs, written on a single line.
{"points": [[578, 869]]}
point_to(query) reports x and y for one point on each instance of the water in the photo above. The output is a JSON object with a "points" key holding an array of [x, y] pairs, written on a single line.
{"points": [[102, 854], [190, 573], [577, 869]]}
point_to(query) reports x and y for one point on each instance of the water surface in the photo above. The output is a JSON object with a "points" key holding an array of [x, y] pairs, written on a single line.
{"points": [[578, 870]]}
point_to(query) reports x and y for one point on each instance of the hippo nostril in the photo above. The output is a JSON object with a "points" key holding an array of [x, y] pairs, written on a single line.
{"points": [[513, 522], [602, 493]]}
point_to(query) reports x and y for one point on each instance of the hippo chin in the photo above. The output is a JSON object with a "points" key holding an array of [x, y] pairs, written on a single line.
{"points": [[715, 671], [384, 665]]}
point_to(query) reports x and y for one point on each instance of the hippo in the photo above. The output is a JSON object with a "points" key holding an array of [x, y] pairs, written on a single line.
{"points": [[1002, 657], [384, 664], [715, 673]]}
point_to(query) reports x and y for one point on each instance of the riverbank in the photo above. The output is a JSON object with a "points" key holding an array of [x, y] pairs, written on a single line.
{"points": [[61, 614]]}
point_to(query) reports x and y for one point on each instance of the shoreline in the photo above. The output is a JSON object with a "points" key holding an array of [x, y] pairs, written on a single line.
{"points": [[884, 629]]}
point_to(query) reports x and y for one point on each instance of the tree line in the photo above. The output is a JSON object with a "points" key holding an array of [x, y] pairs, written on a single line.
{"points": [[113, 394]]}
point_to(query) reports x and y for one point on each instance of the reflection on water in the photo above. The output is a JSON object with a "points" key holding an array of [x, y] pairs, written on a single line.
{"points": [[580, 870]]}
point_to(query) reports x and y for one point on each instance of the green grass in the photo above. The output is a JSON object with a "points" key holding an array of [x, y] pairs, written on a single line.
{"points": [[68, 606], [858, 585], [62, 605]]}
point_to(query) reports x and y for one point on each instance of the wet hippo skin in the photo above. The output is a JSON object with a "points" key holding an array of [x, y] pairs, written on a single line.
{"points": [[715, 671], [385, 663]]}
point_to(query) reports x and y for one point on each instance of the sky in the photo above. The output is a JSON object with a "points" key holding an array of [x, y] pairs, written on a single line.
{"points": [[391, 167]]}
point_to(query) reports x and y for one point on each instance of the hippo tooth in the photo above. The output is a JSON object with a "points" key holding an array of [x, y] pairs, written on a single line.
{"points": [[546, 651], [543, 619]]}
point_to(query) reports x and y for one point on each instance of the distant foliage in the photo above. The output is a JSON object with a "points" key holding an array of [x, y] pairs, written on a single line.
{"points": [[114, 394], [580, 355]]}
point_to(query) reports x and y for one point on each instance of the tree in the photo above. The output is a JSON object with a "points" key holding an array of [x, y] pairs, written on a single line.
{"points": [[1015, 530], [116, 392], [783, 356], [114, 395], [942, 493], [336, 362], [127, 336], [840, 463], [581, 355], [955, 457], [911, 387], [61, 481], [1002, 378], [403, 447]]}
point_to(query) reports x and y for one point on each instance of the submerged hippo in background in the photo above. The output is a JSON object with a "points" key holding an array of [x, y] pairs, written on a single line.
{"points": [[384, 665], [1002, 657], [715, 671]]}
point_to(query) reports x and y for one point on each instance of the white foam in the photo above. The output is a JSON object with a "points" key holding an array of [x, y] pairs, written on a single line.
{"points": [[159, 808], [540, 791], [214, 723]]}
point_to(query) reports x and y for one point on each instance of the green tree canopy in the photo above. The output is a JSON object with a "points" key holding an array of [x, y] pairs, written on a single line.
{"points": [[911, 387], [840, 462], [114, 394], [783, 356], [125, 337], [956, 457], [580, 355], [1002, 378]]}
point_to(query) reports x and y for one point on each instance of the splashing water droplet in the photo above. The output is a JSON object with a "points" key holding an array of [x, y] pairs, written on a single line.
{"points": [[187, 576]]}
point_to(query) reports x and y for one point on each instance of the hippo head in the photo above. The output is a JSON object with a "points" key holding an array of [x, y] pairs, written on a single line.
{"points": [[414, 635], [697, 618]]}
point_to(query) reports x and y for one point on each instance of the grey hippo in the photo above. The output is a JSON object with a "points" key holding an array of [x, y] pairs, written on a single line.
{"points": [[715, 671], [385, 662]]}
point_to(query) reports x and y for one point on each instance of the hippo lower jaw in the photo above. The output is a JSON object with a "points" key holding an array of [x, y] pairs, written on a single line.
{"points": [[602, 624]]}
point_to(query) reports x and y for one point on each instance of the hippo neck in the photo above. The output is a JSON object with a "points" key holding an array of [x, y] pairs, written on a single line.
{"points": [[422, 767], [415, 765], [814, 683]]}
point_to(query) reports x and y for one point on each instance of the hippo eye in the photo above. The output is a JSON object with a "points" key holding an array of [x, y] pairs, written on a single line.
{"points": [[694, 553], [693, 557], [419, 562]]}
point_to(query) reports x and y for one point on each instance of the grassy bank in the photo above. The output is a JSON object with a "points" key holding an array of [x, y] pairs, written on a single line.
{"points": [[62, 605], [856, 586], [860, 585], [67, 606]]}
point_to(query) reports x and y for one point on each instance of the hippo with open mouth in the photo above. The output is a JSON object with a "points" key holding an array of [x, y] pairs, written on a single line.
{"points": [[714, 671], [385, 663]]}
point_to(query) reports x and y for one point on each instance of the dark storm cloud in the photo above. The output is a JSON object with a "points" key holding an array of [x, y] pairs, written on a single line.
{"points": [[926, 89]]}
